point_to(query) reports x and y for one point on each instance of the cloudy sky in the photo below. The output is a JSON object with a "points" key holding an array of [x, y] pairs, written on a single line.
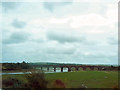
{"points": [[64, 32]]}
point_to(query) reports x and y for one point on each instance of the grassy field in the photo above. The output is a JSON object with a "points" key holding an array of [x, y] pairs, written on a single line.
{"points": [[90, 79]]}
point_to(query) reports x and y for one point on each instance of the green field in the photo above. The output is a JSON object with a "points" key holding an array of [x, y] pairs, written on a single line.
{"points": [[90, 79]]}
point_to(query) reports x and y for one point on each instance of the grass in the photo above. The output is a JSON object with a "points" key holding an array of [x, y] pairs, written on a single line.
{"points": [[91, 79]]}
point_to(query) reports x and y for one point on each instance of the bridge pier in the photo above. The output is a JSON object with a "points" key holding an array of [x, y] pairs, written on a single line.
{"points": [[48, 68], [99, 68], [69, 69], [61, 69], [92, 68], [41, 68], [77, 68], [54, 69]]}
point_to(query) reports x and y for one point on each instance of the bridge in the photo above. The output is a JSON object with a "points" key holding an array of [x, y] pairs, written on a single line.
{"points": [[78, 67]]}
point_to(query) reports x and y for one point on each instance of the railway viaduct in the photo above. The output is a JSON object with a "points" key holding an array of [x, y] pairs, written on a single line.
{"points": [[77, 67]]}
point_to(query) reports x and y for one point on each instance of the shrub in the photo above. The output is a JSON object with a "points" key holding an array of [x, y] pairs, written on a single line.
{"points": [[12, 82], [36, 80], [59, 83], [115, 87]]}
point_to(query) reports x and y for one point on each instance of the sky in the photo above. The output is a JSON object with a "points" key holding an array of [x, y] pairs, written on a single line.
{"points": [[60, 32]]}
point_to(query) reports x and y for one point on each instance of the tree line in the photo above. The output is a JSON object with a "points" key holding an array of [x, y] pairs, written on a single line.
{"points": [[15, 66]]}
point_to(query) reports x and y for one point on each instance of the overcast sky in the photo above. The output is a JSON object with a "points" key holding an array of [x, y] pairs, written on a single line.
{"points": [[65, 32]]}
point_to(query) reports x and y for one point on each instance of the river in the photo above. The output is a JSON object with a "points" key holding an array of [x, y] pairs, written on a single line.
{"points": [[51, 70]]}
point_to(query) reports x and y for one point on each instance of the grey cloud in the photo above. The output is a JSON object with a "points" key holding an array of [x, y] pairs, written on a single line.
{"points": [[16, 37], [18, 24], [62, 51], [47, 53], [9, 5], [52, 5], [63, 37]]}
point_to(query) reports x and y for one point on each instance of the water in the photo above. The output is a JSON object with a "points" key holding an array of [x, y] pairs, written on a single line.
{"points": [[15, 73], [51, 70]]}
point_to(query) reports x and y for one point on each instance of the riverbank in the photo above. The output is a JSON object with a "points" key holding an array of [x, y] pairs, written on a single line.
{"points": [[15, 71], [90, 79]]}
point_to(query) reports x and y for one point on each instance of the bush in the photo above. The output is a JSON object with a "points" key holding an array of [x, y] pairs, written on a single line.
{"points": [[59, 84], [116, 87], [12, 83], [36, 80]]}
